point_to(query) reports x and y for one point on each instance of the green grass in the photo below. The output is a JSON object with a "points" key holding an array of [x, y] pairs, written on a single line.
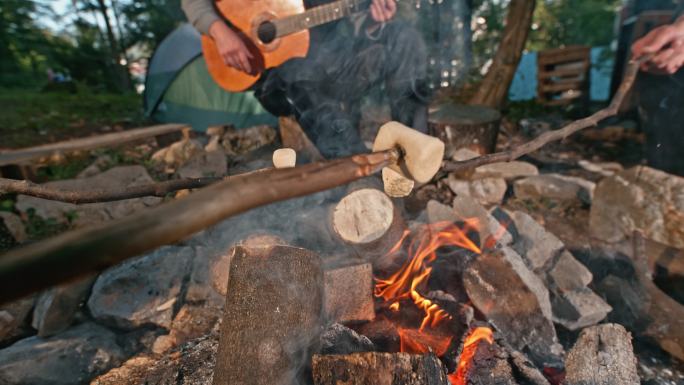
{"points": [[30, 118]]}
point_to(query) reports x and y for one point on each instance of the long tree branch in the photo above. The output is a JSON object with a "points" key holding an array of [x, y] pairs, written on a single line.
{"points": [[160, 189], [560, 134], [78, 252]]}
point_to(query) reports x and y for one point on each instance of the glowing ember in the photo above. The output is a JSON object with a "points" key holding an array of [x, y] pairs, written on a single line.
{"points": [[404, 284], [469, 349], [419, 342]]}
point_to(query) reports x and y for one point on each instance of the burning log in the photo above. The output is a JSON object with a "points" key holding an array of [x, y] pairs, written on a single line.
{"points": [[378, 369], [482, 361], [368, 220], [602, 355], [272, 317]]}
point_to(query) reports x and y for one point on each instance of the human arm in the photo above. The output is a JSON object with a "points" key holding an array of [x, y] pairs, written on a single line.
{"points": [[666, 43], [203, 16]]}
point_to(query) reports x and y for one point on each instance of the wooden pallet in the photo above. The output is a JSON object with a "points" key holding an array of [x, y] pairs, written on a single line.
{"points": [[563, 75]]}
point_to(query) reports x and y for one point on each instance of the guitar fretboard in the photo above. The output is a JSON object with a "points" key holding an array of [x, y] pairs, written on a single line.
{"points": [[317, 16]]}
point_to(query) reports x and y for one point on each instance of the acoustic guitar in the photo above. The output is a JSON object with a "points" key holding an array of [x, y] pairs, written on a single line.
{"points": [[274, 31]]}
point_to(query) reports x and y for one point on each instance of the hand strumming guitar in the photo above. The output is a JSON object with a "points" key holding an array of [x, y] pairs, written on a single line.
{"points": [[667, 44], [383, 10], [235, 54], [231, 47]]}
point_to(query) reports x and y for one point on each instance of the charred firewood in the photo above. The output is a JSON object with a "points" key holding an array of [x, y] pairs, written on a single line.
{"points": [[378, 369]]}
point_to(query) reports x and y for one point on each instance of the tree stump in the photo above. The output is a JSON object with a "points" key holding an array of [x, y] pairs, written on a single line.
{"points": [[458, 126]]}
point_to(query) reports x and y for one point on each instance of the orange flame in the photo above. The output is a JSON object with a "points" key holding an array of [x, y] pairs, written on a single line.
{"points": [[419, 342], [415, 273], [469, 349]]}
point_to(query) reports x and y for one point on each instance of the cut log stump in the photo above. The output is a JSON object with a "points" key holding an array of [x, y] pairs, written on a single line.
{"points": [[378, 369], [367, 220], [272, 316], [458, 126], [602, 355]]}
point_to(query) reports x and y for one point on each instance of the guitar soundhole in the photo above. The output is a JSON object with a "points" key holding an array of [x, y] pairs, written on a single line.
{"points": [[266, 32]]}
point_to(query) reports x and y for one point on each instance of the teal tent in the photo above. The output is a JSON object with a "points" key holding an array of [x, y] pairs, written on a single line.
{"points": [[179, 89]]}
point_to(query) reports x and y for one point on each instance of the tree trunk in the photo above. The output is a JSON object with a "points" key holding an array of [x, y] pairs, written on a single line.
{"points": [[121, 72], [494, 88]]}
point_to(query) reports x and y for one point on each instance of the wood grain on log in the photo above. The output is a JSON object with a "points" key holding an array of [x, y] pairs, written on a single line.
{"points": [[93, 249], [378, 369], [602, 355], [368, 220], [273, 316]]}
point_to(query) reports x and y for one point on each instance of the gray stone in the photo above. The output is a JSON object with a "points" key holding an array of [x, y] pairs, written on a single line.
{"points": [[56, 308], [199, 287], [602, 168], [13, 318], [14, 225], [348, 293], [72, 357], [467, 208], [272, 316], [337, 339], [587, 187], [205, 164], [549, 187], [569, 274], [640, 198], [143, 290], [92, 213], [602, 355], [506, 170], [579, 308], [534, 243], [487, 191], [508, 295]]}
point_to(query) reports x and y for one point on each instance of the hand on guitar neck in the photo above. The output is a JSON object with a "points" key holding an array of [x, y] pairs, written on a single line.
{"points": [[235, 53], [230, 46]]}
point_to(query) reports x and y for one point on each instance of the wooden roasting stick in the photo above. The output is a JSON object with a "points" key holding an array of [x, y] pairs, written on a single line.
{"points": [[560, 134], [75, 253]]}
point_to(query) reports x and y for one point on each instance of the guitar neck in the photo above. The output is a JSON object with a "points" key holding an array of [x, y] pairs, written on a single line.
{"points": [[318, 15]]}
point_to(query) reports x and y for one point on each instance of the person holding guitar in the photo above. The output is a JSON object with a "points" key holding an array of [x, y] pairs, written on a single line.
{"points": [[347, 59]]}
